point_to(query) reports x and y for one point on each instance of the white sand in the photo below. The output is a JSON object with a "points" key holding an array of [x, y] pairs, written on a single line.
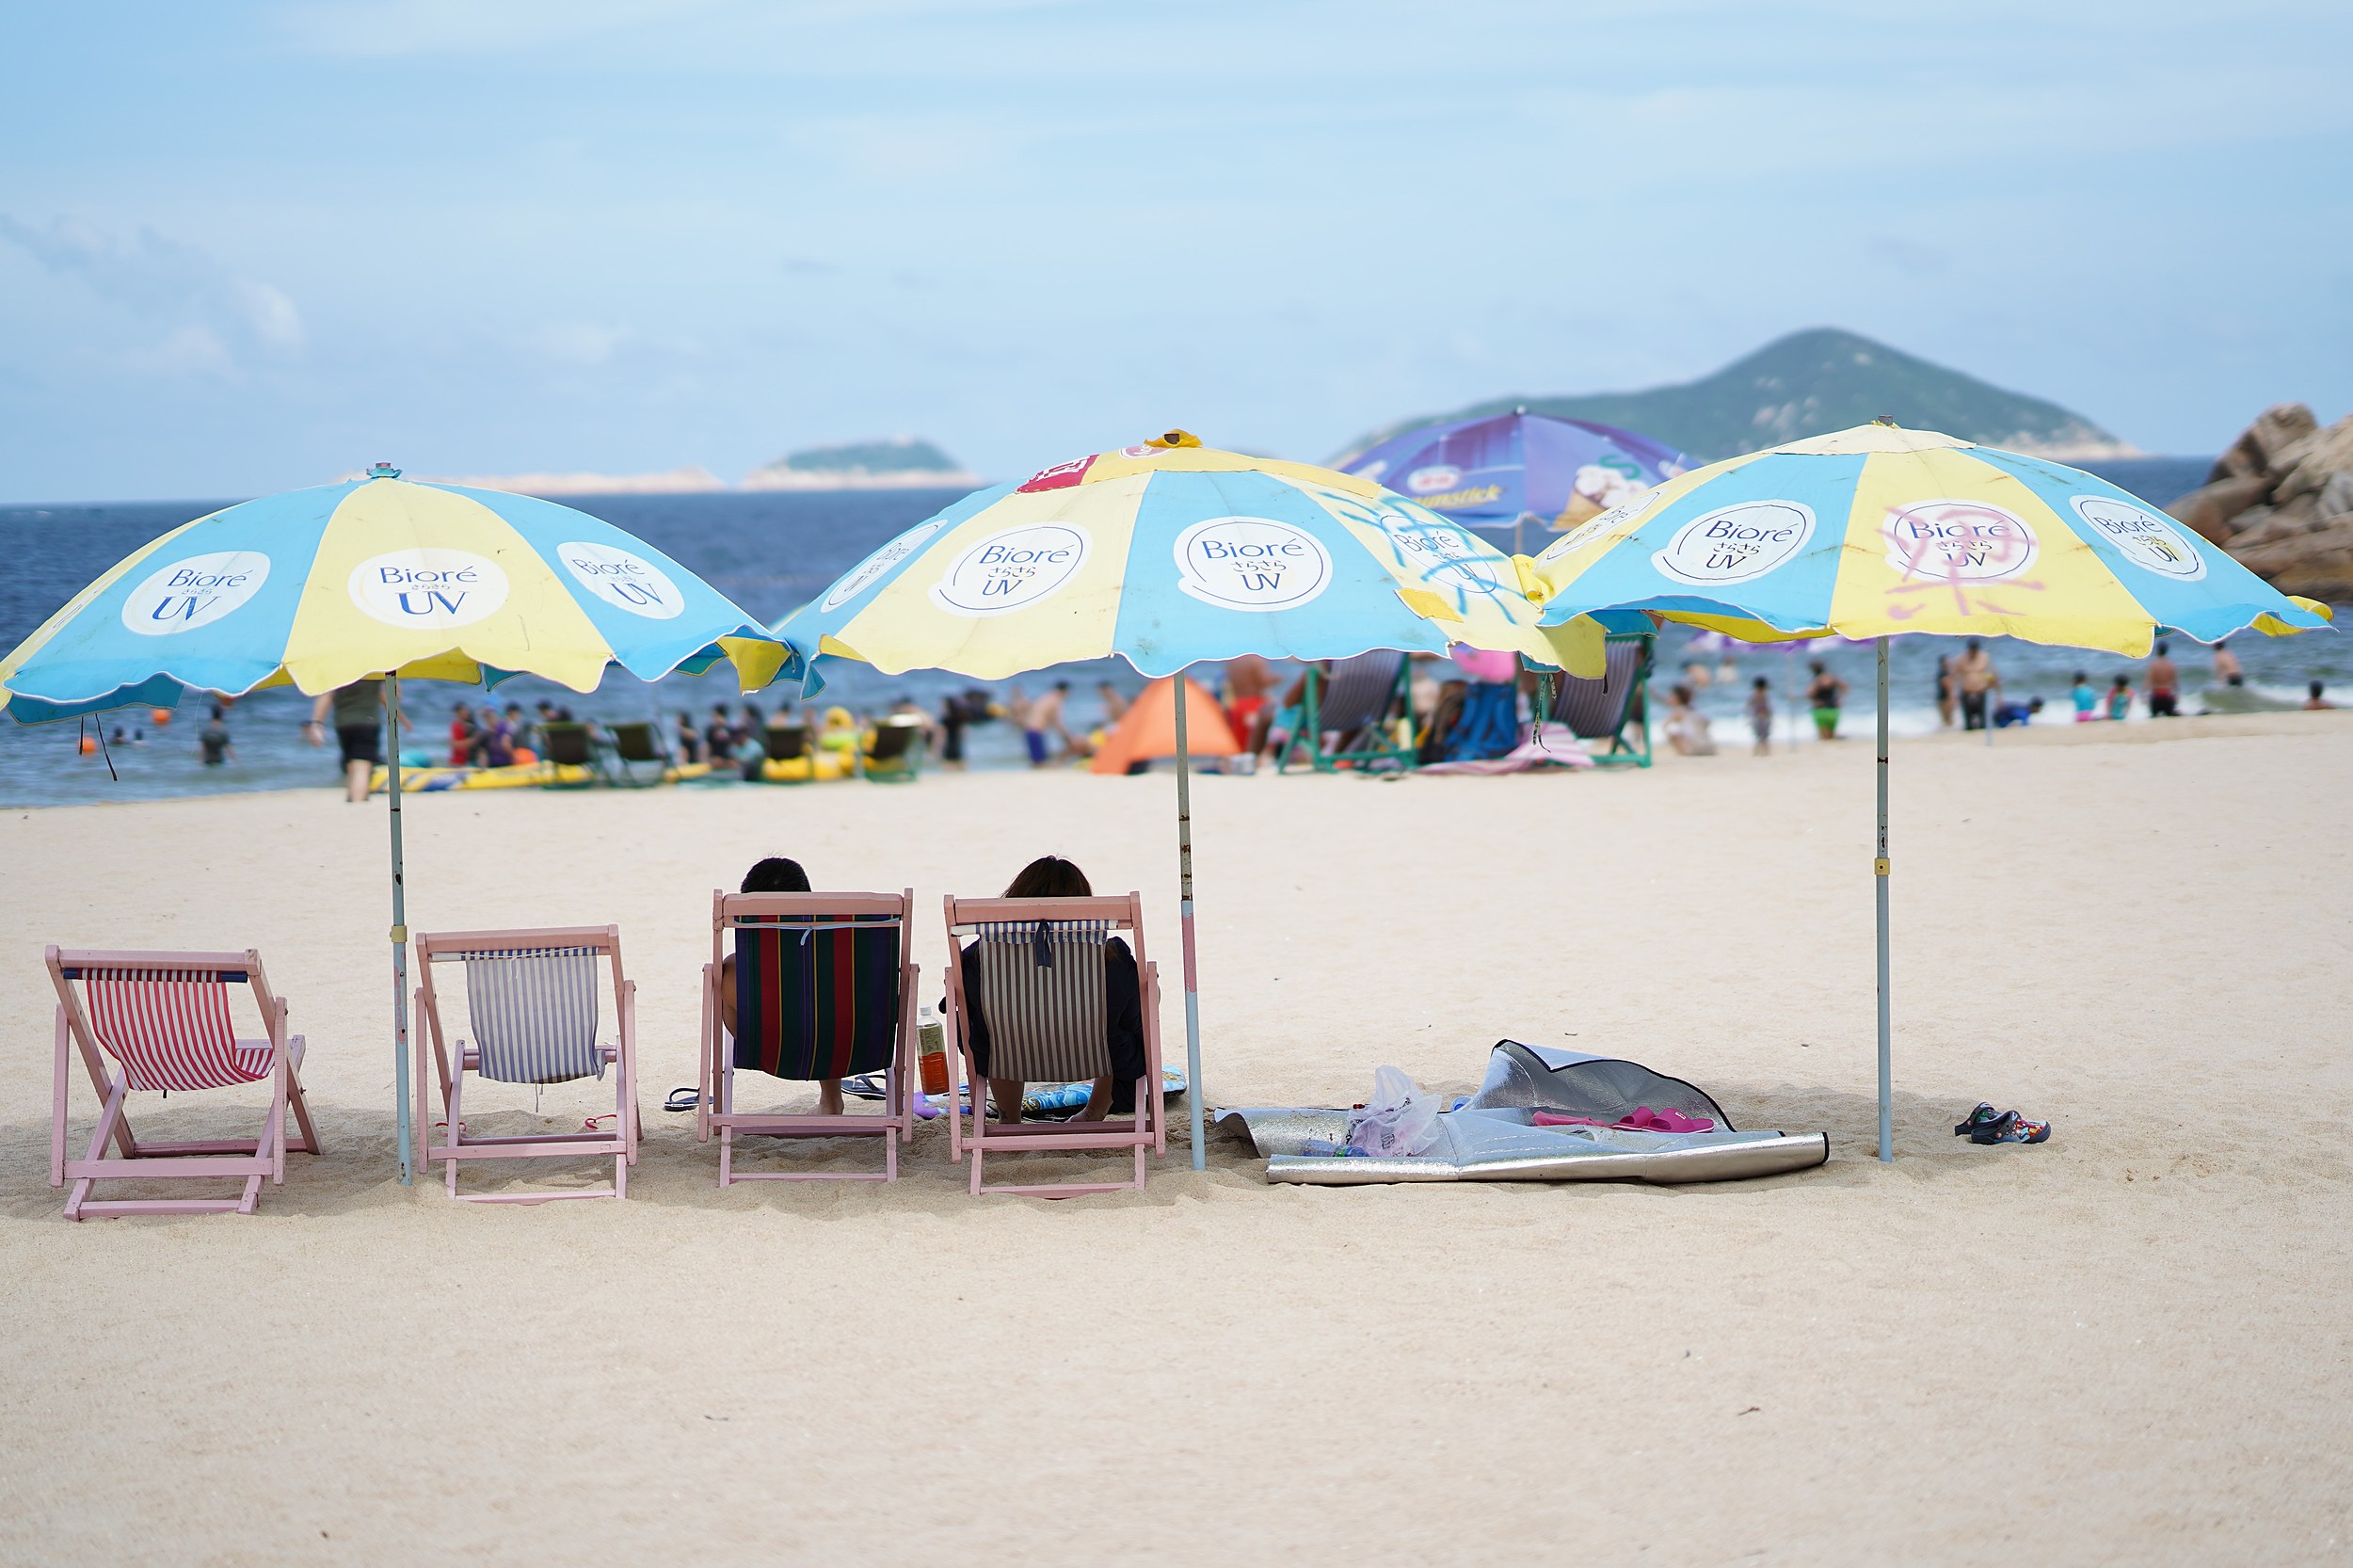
{"points": [[2130, 1345]]}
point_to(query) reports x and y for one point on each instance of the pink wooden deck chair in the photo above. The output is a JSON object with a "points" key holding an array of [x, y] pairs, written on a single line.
{"points": [[164, 1018], [1044, 991], [531, 997], [823, 988]]}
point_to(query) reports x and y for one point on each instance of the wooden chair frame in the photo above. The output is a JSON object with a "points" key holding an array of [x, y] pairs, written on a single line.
{"points": [[714, 1104], [456, 1148], [185, 1159], [1146, 1131]]}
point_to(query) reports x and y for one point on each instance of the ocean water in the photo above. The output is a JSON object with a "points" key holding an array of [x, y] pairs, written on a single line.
{"points": [[772, 552]]}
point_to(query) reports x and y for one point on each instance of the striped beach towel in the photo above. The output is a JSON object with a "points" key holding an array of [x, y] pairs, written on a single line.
{"points": [[534, 1011], [171, 1028], [817, 998], [1047, 1000]]}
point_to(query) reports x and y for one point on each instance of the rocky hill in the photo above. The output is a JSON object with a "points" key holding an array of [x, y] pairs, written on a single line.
{"points": [[900, 464], [2280, 500], [1815, 381]]}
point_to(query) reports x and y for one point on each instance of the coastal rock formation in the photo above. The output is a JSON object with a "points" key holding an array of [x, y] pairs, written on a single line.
{"points": [[900, 464], [2280, 500], [1809, 384]]}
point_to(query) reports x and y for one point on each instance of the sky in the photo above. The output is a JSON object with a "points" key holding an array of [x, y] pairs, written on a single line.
{"points": [[245, 247]]}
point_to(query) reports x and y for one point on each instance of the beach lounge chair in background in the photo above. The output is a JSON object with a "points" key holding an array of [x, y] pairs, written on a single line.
{"points": [[897, 752], [1613, 707], [634, 746], [165, 1020], [824, 989], [531, 996], [1348, 714], [1044, 992], [566, 743], [785, 743]]}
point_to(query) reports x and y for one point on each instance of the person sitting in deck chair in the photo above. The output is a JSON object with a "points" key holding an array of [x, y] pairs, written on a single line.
{"points": [[1051, 876], [775, 874]]}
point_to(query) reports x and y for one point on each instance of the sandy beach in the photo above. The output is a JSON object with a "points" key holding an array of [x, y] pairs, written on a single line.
{"points": [[2128, 1345]]}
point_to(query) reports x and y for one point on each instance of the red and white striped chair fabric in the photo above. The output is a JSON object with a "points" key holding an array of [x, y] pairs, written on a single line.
{"points": [[170, 1029]]}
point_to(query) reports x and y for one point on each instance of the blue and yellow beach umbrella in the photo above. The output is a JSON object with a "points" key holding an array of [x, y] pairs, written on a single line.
{"points": [[320, 588], [1879, 530], [1170, 553]]}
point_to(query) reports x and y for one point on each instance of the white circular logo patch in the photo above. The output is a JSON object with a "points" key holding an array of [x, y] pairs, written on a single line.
{"points": [[1734, 544], [1012, 569], [2146, 540], [1430, 480], [1592, 528], [620, 578], [1252, 564], [1441, 552], [1958, 541], [194, 592], [428, 588], [880, 561]]}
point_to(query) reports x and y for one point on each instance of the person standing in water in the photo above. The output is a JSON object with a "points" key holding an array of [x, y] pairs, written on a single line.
{"points": [[358, 711], [2086, 700], [1761, 715], [1974, 673], [211, 742], [2226, 670], [1943, 692], [2165, 684], [1823, 696]]}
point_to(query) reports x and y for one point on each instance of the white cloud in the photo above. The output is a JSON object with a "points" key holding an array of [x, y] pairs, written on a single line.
{"points": [[166, 279]]}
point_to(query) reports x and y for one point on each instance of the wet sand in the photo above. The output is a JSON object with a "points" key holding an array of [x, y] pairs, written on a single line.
{"points": [[2128, 1345]]}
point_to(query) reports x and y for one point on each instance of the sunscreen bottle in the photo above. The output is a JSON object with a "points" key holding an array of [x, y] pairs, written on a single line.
{"points": [[931, 1037]]}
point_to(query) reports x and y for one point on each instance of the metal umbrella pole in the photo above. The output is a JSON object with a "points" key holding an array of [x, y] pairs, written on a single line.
{"points": [[400, 956], [1887, 1080], [1184, 908]]}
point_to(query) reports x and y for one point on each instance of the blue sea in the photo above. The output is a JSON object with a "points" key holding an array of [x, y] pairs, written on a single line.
{"points": [[771, 552]]}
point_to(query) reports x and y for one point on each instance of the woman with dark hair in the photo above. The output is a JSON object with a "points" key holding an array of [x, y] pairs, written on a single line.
{"points": [[775, 874], [1051, 876]]}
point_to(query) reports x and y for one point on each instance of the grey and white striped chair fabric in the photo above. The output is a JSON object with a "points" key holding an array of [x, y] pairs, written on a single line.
{"points": [[1594, 708], [1359, 691], [534, 1013], [1043, 993]]}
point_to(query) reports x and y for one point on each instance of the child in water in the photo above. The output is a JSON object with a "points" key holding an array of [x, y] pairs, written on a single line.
{"points": [[1761, 715], [2086, 699], [2120, 697]]}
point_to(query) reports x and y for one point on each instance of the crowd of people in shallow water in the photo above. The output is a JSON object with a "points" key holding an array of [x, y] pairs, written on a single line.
{"points": [[1475, 708], [1968, 692]]}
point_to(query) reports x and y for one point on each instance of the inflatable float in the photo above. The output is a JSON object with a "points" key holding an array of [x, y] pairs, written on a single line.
{"points": [[1494, 1135], [519, 776]]}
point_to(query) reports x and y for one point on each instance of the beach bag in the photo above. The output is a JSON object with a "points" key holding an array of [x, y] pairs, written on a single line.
{"points": [[1400, 1119]]}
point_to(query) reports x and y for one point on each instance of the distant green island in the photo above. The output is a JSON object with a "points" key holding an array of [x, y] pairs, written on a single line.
{"points": [[903, 463], [1806, 384]]}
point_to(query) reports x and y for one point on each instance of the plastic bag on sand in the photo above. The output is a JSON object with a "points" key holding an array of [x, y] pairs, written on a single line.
{"points": [[1400, 1119]]}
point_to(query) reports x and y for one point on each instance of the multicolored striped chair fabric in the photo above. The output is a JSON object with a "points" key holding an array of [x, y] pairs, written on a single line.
{"points": [[171, 1028], [534, 1013], [817, 999], [1047, 1000]]}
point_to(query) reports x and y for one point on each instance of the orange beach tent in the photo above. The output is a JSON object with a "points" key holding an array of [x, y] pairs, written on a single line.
{"points": [[1149, 730]]}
